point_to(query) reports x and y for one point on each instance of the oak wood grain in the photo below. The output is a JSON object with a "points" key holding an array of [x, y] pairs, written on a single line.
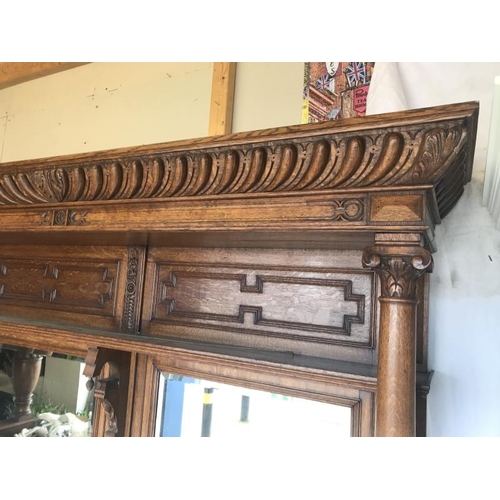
{"points": [[253, 258], [89, 286]]}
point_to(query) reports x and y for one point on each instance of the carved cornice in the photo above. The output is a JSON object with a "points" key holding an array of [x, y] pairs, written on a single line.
{"points": [[414, 148], [398, 268]]}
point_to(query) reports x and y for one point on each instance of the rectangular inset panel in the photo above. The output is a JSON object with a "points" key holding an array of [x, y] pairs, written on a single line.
{"points": [[83, 286], [90, 286], [192, 294], [279, 300]]}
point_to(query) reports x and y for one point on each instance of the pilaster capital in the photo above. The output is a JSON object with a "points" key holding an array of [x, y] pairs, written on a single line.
{"points": [[399, 266]]}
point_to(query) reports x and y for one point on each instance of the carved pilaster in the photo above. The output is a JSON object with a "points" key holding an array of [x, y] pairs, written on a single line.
{"points": [[399, 261], [133, 289]]}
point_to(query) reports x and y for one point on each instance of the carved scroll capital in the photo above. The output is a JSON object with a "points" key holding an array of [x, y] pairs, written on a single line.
{"points": [[398, 267]]}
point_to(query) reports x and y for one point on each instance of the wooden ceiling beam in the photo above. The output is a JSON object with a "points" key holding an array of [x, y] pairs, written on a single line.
{"points": [[13, 73]]}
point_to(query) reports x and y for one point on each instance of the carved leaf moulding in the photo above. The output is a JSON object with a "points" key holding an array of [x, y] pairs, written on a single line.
{"points": [[404, 155], [398, 272]]}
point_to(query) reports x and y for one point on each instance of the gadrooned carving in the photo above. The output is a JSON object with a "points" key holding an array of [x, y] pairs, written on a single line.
{"points": [[399, 156], [398, 272]]}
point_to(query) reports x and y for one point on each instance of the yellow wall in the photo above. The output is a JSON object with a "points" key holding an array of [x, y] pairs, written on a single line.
{"points": [[103, 106], [267, 95], [109, 105]]}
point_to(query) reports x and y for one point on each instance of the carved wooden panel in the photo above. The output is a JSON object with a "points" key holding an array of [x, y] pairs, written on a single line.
{"points": [[282, 303], [63, 218], [83, 285], [286, 198], [328, 211]]}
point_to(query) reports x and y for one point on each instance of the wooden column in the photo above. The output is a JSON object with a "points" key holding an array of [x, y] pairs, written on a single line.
{"points": [[399, 261]]}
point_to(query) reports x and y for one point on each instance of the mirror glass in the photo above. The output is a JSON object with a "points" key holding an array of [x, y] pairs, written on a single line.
{"points": [[43, 394], [190, 407]]}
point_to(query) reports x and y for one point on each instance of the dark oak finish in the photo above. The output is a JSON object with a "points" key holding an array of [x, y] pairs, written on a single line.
{"points": [[290, 259]]}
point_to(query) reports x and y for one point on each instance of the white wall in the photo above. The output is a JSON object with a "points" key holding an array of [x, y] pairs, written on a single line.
{"points": [[464, 316]]}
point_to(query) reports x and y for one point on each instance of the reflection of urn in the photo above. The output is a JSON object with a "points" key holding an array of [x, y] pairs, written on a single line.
{"points": [[25, 373]]}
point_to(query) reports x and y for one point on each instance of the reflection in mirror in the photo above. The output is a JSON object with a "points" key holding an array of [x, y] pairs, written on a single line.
{"points": [[190, 407], [43, 394]]}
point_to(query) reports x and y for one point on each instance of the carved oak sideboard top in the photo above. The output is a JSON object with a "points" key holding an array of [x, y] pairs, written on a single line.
{"points": [[95, 256], [362, 174]]}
